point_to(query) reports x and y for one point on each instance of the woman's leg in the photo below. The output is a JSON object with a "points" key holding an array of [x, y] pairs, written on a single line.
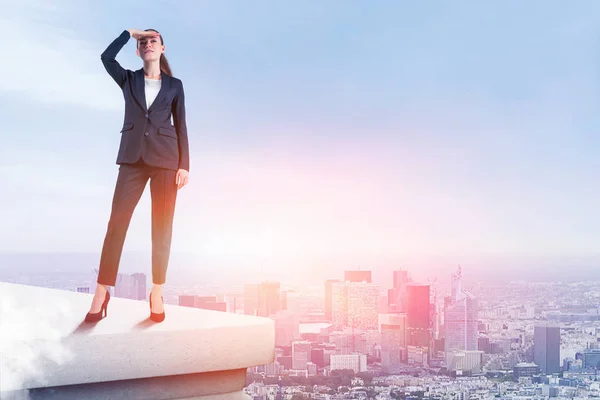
{"points": [[163, 190], [130, 185]]}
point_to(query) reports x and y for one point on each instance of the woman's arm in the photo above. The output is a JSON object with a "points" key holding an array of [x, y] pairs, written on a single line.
{"points": [[109, 55], [178, 110]]}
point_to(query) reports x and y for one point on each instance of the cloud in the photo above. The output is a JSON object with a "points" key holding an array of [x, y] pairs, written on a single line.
{"points": [[49, 63], [28, 340]]}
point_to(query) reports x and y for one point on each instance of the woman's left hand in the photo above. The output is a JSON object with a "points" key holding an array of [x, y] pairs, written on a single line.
{"points": [[182, 177]]}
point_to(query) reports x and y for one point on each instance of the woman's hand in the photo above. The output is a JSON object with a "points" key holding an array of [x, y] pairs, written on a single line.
{"points": [[137, 34], [182, 178]]}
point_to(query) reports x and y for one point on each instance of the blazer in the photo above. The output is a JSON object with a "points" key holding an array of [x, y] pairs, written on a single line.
{"points": [[148, 133]]}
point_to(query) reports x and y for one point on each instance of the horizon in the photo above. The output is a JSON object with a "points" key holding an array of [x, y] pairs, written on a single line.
{"points": [[186, 269]]}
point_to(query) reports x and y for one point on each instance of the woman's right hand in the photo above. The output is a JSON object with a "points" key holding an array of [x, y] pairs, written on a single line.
{"points": [[137, 34]]}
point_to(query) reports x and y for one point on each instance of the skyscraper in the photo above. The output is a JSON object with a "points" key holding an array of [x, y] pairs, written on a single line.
{"points": [[262, 299], [460, 318], [270, 299], [339, 305], [355, 305], [400, 277], [131, 286], [417, 315], [393, 341], [251, 298], [546, 347], [139, 286], [363, 305], [397, 295], [287, 325], [328, 298]]}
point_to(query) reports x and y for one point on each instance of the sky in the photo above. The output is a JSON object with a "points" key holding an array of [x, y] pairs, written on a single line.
{"points": [[379, 129]]}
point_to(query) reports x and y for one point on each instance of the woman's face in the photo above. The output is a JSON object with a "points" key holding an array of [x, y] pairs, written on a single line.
{"points": [[149, 48]]}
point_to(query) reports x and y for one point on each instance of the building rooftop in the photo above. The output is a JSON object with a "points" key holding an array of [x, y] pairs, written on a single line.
{"points": [[48, 350]]}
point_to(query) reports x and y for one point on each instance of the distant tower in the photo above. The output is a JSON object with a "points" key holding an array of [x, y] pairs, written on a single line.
{"points": [[397, 295], [546, 347], [417, 315], [262, 299], [355, 305], [460, 318], [329, 298]]}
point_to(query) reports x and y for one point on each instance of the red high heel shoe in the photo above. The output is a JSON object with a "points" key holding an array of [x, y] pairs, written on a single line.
{"points": [[95, 317], [156, 317]]}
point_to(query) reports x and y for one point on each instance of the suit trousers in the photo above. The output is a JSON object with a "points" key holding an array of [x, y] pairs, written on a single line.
{"points": [[130, 186]]}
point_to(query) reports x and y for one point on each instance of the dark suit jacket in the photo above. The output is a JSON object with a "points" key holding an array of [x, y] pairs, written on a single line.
{"points": [[148, 133]]}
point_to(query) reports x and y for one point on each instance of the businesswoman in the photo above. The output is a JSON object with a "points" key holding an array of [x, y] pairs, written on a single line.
{"points": [[151, 148]]}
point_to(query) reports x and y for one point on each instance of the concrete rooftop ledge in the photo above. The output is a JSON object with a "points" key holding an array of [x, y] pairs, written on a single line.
{"points": [[48, 352]]}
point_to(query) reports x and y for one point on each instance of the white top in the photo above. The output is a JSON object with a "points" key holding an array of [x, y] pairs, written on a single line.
{"points": [[152, 87]]}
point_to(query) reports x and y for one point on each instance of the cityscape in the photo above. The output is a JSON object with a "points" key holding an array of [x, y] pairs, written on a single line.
{"points": [[440, 339]]}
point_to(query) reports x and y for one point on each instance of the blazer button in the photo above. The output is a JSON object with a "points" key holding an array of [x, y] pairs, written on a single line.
{"points": [[146, 115], [146, 134]]}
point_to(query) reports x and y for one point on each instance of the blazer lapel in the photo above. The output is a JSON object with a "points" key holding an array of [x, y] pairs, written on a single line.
{"points": [[165, 84], [140, 89]]}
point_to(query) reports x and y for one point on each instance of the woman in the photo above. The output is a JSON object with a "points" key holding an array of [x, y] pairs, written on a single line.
{"points": [[151, 148]]}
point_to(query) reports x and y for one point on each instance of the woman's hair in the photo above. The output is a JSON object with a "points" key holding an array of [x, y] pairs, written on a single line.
{"points": [[164, 64]]}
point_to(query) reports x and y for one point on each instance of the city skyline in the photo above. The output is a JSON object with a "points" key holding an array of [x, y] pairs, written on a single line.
{"points": [[392, 340]]}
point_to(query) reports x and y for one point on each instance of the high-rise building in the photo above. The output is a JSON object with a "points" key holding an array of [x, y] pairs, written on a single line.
{"points": [[339, 305], [287, 327], [460, 318], [363, 305], [417, 315], [262, 299], [397, 295], [591, 358], [357, 276], [355, 305], [270, 299], [139, 285], [400, 278], [131, 286], [251, 298], [234, 301], [393, 341], [300, 354], [328, 298], [546, 347]]}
